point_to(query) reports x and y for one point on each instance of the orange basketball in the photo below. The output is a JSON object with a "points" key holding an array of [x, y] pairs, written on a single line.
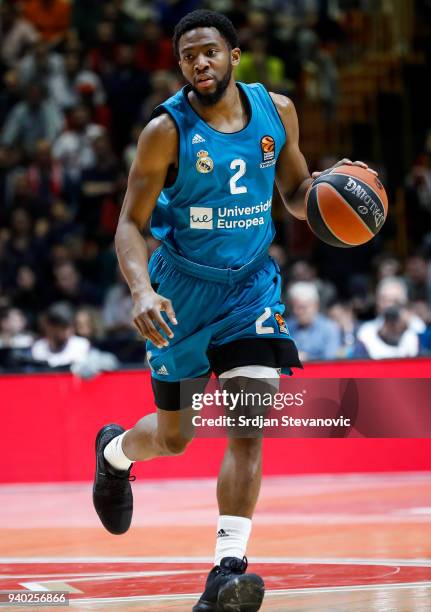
{"points": [[346, 206]]}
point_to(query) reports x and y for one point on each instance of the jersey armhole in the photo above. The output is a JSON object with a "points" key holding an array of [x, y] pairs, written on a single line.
{"points": [[276, 110], [160, 110]]}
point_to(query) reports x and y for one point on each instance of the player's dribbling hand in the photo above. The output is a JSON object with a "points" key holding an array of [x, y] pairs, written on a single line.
{"points": [[346, 162], [147, 310]]}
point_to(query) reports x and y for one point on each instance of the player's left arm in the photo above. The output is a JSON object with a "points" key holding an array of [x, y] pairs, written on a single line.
{"points": [[292, 177]]}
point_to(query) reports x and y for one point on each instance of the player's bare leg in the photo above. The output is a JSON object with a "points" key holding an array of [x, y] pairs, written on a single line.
{"points": [[156, 434], [228, 587], [240, 477]]}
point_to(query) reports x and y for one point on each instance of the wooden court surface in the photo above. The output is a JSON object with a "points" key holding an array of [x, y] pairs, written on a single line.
{"points": [[321, 543]]}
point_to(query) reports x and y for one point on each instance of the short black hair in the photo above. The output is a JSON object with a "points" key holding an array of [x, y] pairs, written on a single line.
{"points": [[59, 314], [205, 19]]}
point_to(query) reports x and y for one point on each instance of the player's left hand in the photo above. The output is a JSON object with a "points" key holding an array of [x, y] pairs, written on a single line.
{"points": [[346, 162]]}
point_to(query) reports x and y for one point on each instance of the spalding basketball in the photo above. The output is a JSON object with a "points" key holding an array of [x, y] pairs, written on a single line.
{"points": [[346, 206]]}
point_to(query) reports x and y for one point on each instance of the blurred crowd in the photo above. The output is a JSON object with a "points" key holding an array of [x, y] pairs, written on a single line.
{"points": [[79, 81]]}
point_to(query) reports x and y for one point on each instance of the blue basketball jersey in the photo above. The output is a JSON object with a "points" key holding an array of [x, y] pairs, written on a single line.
{"points": [[218, 210]]}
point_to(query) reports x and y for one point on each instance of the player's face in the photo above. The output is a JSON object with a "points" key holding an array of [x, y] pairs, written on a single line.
{"points": [[207, 63]]}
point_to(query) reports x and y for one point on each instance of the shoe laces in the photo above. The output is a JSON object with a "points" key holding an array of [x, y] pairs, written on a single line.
{"points": [[233, 565]]}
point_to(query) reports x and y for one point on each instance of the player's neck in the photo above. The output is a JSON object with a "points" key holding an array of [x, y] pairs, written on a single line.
{"points": [[228, 114]]}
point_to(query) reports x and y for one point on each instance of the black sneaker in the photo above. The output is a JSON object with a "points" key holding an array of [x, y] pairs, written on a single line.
{"points": [[229, 589], [112, 493]]}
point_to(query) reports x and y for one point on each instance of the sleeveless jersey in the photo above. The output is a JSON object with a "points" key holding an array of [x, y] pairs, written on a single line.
{"points": [[218, 210]]}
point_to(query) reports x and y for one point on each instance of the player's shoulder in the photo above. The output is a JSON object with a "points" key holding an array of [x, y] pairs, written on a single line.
{"points": [[157, 144], [284, 105], [159, 137], [162, 126]]}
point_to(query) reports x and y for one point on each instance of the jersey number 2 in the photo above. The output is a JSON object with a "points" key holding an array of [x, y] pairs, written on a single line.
{"points": [[234, 188], [260, 327]]}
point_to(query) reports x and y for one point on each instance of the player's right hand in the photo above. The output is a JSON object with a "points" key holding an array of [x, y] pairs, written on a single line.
{"points": [[147, 317]]}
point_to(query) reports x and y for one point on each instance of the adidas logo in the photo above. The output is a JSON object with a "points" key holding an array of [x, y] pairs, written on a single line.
{"points": [[197, 138], [162, 370], [221, 533]]}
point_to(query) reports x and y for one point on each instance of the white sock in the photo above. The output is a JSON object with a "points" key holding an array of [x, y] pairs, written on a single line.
{"points": [[232, 537], [114, 455]]}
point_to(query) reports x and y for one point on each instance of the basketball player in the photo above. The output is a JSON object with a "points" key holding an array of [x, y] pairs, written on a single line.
{"points": [[204, 173]]}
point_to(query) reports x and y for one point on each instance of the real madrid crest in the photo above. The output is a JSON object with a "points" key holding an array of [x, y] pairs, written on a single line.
{"points": [[204, 163]]}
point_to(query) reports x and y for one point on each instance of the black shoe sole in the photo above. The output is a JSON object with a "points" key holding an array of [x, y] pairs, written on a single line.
{"points": [[204, 606], [241, 594]]}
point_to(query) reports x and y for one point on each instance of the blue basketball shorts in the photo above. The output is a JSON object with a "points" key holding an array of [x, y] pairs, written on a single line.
{"points": [[221, 325]]}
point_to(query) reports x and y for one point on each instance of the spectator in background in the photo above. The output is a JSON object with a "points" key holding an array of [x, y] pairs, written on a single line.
{"points": [[91, 92], [62, 86], [391, 292], [6, 181], [316, 336], [99, 183], [422, 309], [302, 270], [258, 65], [171, 12], [101, 55], [26, 293], [69, 87], [125, 27], [343, 315], [117, 308], [88, 324], [391, 337], [121, 335], [154, 50], [16, 34], [19, 193], [10, 94], [37, 117], [126, 86], [163, 85], [256, 24], [41, 64], [394, 332], [418, 278], [51, 18], [45, 177], [418, 196], [21, 247], [13, 330], [59, 346], [74, 148], [140, 10], [70, 287], [387, 266], [62, 223]]}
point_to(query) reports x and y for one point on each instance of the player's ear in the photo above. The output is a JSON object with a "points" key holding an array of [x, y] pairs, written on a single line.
{"points": [[235, 56]]}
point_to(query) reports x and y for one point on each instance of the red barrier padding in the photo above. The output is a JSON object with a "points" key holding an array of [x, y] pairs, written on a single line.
{"points": [[52, 419]]}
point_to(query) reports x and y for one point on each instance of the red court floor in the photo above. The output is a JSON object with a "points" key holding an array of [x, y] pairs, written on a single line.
{"points": [[322, 543]]}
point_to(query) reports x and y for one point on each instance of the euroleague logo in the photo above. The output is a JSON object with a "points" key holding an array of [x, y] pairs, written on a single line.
{"points": [[267, 147], [281, 323]]}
